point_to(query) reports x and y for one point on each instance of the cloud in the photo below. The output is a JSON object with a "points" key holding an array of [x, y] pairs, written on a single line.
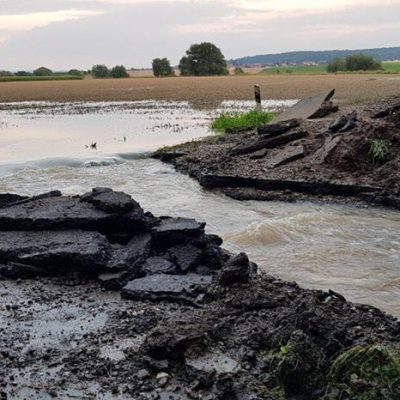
{"points": [[16, 23], [66, 33], [252, 16]]}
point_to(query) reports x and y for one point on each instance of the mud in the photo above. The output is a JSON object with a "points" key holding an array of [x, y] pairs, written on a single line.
{"points": [[210, 329], [321, 158]]}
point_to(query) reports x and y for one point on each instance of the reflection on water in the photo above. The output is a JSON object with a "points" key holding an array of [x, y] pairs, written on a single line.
{"points": [[353, 251], [57, 132]]}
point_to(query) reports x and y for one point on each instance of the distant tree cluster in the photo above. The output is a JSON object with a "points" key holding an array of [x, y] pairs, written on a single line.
{"points": [[6, 73], [202, 59], [42, 71], [101, 71], [357, 62], [162, 67]]}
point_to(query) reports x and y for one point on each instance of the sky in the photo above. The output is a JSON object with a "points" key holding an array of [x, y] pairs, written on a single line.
{"points": [[65, 34]]}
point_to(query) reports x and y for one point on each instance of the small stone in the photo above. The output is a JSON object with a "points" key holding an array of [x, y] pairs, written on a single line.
{"points": [[143, 374]]}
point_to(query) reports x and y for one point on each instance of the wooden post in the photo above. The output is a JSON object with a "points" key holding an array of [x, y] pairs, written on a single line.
{"points": [[257, 95]]}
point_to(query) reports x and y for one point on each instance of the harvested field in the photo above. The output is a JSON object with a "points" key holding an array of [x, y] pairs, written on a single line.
{"points": [[204, 91]]}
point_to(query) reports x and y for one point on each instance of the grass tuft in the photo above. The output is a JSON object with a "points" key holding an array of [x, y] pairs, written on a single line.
{"points": [[367, 373], [235, 122], [379, 150]]}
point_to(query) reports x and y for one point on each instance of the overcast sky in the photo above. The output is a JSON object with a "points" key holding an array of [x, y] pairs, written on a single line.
{"points": [[63, 34]]}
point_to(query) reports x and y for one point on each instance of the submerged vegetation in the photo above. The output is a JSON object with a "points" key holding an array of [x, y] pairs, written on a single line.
{"points": [[232, 122]]}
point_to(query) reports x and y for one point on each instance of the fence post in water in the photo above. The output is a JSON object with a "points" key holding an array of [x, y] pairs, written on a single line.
{"points": [[257, 95]]}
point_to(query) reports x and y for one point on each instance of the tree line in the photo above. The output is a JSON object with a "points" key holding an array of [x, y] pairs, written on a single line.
{"points": [[356, 62], [201, 59]]}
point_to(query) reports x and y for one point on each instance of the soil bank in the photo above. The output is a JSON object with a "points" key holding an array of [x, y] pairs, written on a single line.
{"points": [[307, 160], [193, 322]]}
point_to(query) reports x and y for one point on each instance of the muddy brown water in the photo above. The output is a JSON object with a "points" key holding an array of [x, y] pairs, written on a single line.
{"points": [[355, 251]]}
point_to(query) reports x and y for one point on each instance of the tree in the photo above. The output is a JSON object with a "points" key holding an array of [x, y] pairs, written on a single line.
{"points": [[203, 59], [119, 71], [336, 65], [42, 71], [22, 73], [162, 67], [6, 73], [75, 72], [100, 71], [362, 62], [238, 71]]}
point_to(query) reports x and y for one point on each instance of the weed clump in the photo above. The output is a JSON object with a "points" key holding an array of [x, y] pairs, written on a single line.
{"points": [[379, 150], [234, 122], [366, 373]]}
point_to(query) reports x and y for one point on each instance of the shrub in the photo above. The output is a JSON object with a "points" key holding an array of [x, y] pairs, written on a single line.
{"points": [[75, 72], [238, 71], [203, 59], [336, 65], [362, 62], [23, 73], [100, 71], [119, 71], [162, 67], [42, 71]]}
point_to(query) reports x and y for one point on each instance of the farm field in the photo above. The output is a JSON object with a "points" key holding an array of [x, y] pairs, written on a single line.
{"points": [[205, 91]]}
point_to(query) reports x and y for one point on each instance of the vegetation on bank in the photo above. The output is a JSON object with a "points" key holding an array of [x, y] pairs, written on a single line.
{"points": [[366, 373], [379, 150], [234, 122]]}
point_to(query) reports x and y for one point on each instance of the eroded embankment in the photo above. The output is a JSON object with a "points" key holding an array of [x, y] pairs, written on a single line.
{"points": [[194, 321], [352, 156]]}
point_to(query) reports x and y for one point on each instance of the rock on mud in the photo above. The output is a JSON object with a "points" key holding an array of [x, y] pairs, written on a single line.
{"points": [[162, 287], [55, 251]]}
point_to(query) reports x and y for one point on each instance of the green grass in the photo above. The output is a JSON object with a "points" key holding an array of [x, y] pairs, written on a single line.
{"points": [[379, 150], [235, 122], [391, 67], [39, 78], [367, 373], [388, 68]]}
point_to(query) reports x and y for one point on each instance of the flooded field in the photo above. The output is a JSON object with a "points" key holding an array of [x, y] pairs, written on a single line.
{"points": [[350, 250]]}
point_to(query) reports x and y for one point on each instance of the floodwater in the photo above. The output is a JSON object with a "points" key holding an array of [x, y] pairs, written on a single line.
{"points": [[355, 251]]}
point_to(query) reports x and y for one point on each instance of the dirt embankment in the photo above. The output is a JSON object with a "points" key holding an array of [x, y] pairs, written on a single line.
{"points": [[351, 155], [204, 91], [194, 322]]}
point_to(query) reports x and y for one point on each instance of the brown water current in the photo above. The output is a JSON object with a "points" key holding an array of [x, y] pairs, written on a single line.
{"points": [[354, 251]]}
